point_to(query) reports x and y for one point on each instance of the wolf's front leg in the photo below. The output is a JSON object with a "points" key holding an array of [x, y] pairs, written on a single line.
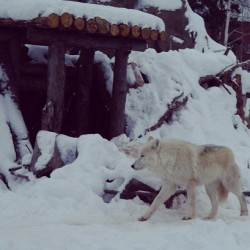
{"points": [[191, 199], [166, 191]]}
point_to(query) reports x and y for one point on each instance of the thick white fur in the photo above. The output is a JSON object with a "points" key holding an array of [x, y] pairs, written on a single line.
{"points": [[182, 163]]}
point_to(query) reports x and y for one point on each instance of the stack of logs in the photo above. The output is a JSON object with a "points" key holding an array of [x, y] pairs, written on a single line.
{"points": [[91, 25]]}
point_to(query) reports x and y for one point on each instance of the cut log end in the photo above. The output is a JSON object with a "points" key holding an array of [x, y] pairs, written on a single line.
{"points": [[145, 33], [103, 25], [114, 30], [53, 20], [136, 31], [79, 23], [154, 35], [163, 36], [92, 26], [124, 29], [66, 20]]}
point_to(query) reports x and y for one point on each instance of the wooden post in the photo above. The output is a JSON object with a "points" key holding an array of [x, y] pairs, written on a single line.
{"points": [[53, 110], [14, 47], [86, 65], [119, 92]]}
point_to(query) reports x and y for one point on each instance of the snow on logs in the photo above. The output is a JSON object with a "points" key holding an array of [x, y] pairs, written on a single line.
{"points": [[67, 21]]}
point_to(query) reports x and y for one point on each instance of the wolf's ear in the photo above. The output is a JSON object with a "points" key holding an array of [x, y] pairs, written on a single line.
{"points": [[150, 138], [156, 144]]}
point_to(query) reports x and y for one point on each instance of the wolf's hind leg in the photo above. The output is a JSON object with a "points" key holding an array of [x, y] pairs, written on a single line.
{"points": [[212, 193], [242, 200], [165, 192], [232, 182]]}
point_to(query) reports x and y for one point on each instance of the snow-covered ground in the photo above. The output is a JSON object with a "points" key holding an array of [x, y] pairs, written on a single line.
{"points": [[67, 211]]}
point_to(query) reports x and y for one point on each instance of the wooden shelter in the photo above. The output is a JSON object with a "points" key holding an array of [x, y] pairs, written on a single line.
{"points": [[87, 35]]}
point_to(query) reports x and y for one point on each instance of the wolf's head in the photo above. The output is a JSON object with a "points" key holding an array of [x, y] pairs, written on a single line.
{"points": [[148, 155]]}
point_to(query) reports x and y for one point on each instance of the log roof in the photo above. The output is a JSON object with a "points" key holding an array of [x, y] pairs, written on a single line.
{"points": [[84, 18]]}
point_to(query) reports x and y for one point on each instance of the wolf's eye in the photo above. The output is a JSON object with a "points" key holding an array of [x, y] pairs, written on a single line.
{"points": [[142, 156]]}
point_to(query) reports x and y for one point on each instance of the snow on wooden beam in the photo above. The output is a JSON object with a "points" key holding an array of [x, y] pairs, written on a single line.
{"points": [[53, 110], [119, 92], [86, 10], [46, 37]]}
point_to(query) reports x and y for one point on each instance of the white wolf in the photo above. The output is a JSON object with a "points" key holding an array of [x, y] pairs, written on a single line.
{"points": [[182, 163]]}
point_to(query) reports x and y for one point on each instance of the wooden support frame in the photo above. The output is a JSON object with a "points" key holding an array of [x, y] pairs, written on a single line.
{"points": [[119, 92], [53, 112]]}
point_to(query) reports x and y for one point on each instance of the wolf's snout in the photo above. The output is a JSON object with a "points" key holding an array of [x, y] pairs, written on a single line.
{"points": [[133, 166]]}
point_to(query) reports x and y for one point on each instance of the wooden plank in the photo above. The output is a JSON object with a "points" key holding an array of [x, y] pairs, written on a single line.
{"points": [[53, 111], [83, 91], [119, 92], [46, 37]]}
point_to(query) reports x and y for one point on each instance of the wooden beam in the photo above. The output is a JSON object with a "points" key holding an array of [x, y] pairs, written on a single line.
{"points": [[119, 92], [53, 110], [7, 33], [46, 37], [83, 91]]}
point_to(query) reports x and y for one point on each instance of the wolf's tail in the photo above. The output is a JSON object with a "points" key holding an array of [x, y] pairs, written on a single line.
{"points": [[222, 192]]}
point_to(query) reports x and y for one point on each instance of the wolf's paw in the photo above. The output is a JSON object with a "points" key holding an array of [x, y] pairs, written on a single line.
{"points": [[142, 218], [209, 218], [187, 218], [244, 213]]}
